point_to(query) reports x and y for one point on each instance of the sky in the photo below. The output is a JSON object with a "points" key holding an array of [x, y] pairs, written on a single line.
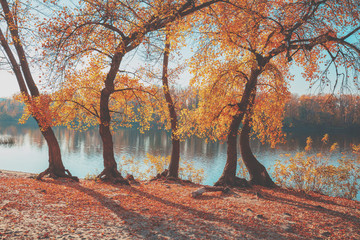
{"points": [[9, 87], [8, 84]]}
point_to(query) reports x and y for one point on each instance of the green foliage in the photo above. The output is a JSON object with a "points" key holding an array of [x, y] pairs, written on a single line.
{"points": [[316, 172], [153, 165]]}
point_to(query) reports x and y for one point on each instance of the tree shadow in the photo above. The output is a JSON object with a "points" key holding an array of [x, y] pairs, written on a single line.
{"points": [[315, 208], [138, 224], [306, 196], [206, 220]]}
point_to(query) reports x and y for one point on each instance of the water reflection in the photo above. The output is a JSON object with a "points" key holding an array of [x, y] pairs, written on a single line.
{"points": [[82, 151]]}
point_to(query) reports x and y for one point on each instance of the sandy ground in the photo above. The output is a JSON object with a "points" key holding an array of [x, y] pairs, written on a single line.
{"points": [[62, 209]]}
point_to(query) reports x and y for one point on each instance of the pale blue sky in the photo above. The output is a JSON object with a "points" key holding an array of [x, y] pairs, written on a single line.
{"points": [[8, 84]]}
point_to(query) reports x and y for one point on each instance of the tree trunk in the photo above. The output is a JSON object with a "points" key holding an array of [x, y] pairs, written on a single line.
{"points": [[175, 152], [54, 151], [56, 167], [258, 173], [110, 172], [228, 176], [175, 159]]}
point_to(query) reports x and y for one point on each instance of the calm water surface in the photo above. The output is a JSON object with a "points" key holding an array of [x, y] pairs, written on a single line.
{"points": [[82, 151]]}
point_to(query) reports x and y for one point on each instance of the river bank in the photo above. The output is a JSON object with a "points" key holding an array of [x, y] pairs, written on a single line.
{"points": [[62, 209]]}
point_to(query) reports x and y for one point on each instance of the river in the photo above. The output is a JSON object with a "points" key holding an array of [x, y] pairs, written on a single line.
{"points": [[82, 151]]}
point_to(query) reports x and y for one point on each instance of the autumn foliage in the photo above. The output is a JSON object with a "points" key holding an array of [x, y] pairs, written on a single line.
{"points": [[241, 66], [310, 171], [100, 61]]}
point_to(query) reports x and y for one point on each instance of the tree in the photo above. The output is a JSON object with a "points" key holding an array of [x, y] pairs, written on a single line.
{"points": [[173, 101], [77, 101], [276, 33], [233, 88], [37, 104], [265, 115], [175, 152], [111, 29]]}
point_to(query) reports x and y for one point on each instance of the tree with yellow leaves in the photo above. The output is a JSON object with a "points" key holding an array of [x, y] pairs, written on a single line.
{"points": [[244, 41], [37, 104], [111, 29]]}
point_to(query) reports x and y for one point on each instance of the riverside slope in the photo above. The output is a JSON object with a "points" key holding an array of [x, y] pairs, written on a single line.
{"points": [[62, 209]]}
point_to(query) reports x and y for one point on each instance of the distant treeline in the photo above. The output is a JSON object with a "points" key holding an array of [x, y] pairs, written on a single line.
{"points": [[10, 110], [306, 112], [322, 112]]}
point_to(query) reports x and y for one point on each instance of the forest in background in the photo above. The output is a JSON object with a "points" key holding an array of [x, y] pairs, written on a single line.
{"points": [[306, 112], [10, 110], [322, 112]]}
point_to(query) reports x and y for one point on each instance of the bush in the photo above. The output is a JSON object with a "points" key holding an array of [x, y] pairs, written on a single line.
{"points": [[92, 176], [242, 170], [315, 172], [153, 165]]}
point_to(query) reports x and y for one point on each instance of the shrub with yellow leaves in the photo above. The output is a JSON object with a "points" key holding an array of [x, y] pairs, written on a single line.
{"points": [[316, 172], [242, 172], [153, 165]]}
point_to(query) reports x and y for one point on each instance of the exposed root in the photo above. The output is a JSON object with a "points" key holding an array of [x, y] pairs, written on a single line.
{"points": [[232, 182], [112, 175], [204, 189], [52, 173], [130, 178], [164, 177], [268, 184], [262, 179]]}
